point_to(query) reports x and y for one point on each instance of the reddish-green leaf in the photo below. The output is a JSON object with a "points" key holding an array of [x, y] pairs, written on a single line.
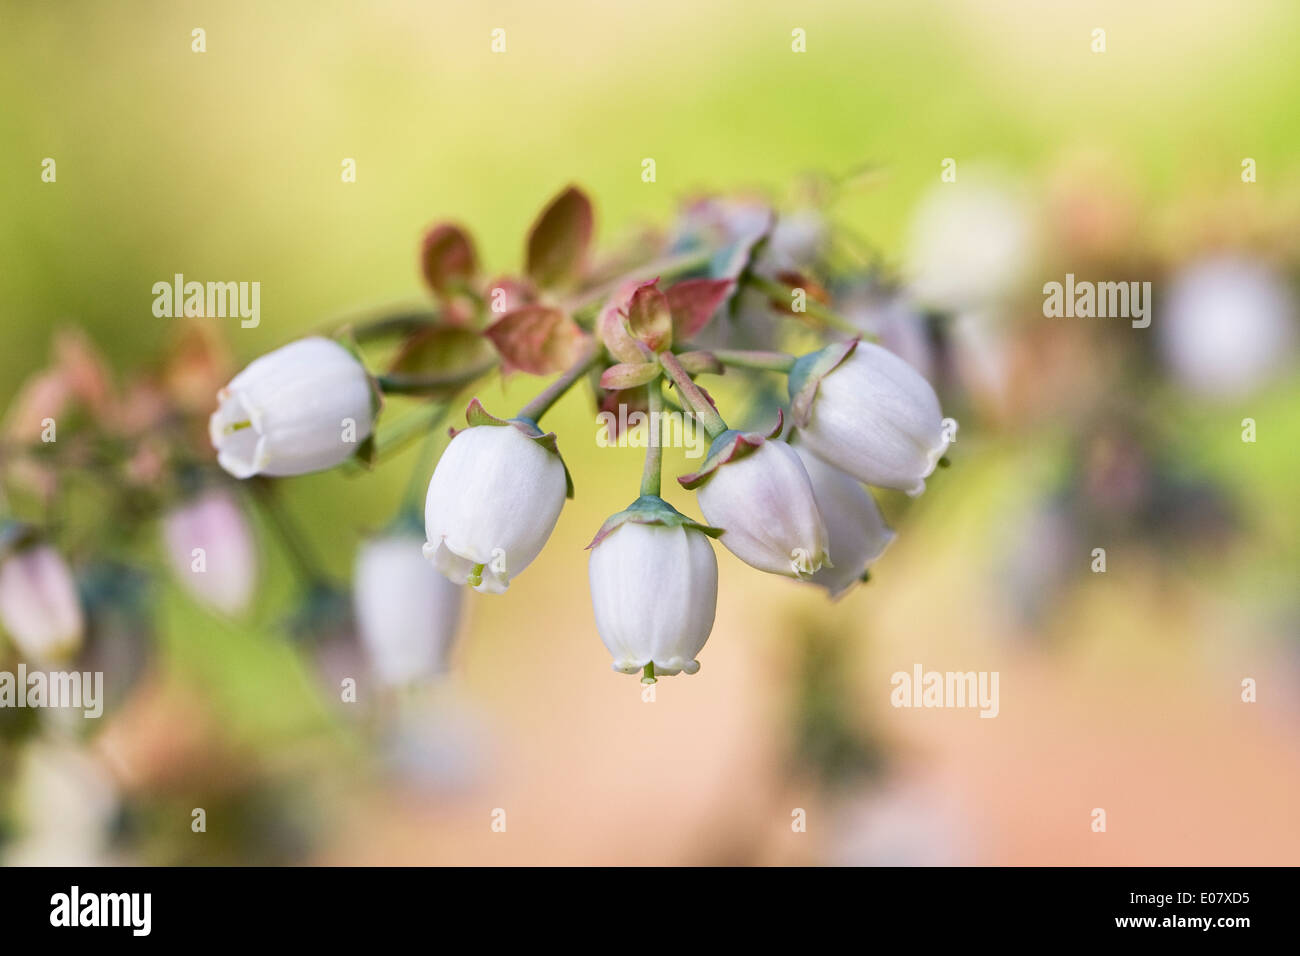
{"points": [[693, 303], [628, 375], [558, 241], [447, 258], [649, 317], [438, 350], [539, 339]]}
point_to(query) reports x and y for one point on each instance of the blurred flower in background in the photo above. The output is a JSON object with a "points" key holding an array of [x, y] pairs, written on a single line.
{"points": [[1229, 327]]}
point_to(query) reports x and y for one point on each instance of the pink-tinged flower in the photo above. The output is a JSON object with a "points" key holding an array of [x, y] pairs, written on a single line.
{"points": [[654, 588], [212, 552], [757, 491], [39, 605], [407, 612], [867, 412], [857, 531], [493, 501], [305, 407], [1227, 328]]}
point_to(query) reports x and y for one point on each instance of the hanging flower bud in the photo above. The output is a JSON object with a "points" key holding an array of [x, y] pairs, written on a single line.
{"points": [[493, 500], [39, 605], [305, 407], [856, 529], [867, 412], [408, 613], [757, 490], [212, 552], [654, 588]]}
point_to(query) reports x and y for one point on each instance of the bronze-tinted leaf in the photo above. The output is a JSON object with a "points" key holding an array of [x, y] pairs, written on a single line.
{"points": [[693, 303], [434, 351], [506, 294], [558, 241], [628, 375], [539, 339], [447, 258]]}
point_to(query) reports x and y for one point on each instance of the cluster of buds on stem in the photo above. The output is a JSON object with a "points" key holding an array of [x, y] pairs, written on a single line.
{"points": [[788, 500]]}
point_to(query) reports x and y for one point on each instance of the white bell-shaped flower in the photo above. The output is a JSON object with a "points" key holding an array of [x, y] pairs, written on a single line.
{"points": [[857, 530], [757, 490], [305, 407], [39, 605], [654, 588], [407, 612], [867, 412], [493, 501]]}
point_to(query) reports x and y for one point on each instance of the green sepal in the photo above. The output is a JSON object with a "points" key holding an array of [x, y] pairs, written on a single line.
{"points": [[477, 415], [807, 373], [347, 338], [731, 445], [367, 451], [651, 509]]}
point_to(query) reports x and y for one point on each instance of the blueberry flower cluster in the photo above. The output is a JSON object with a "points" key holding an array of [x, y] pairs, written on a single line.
{"points": [[789, 500]]}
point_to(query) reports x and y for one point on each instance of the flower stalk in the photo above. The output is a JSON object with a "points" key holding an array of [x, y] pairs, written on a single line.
{"points": [[780, 292], [760, 361], [692, 395], [540, 405], [417, 485], [651, 476], [391, 384], [666, 266]]}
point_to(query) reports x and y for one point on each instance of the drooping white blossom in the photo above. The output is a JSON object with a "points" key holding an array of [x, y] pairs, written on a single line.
{"points": [[763, 501], [305, 407], [654, 590], [493, 501], [407, 612], [857, 531], [872, 415]]}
